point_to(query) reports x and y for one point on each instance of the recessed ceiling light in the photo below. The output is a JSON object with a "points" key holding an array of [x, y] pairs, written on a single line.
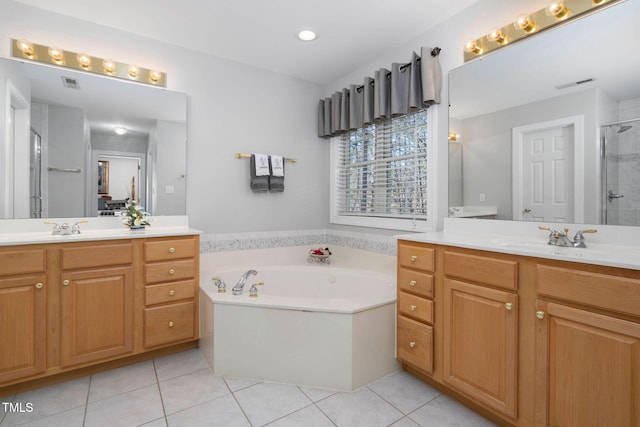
{"points": [[306, 35], [120, 130]]}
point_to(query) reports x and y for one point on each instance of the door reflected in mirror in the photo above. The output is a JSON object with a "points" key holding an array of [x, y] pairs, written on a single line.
{"points": [[103, 177]]}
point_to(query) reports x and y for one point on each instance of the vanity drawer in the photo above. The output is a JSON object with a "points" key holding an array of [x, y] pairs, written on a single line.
{"points": [[415, 283], [168, 324], [417, 308], [169, 292], [415, 344], [416, 256], [168, 271], [105, 255], [482, 269], [162, 250], [22, 262], [615, 293]]}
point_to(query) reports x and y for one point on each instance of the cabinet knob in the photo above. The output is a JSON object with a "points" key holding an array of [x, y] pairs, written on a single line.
{"points": [[66, 282], [172, 292], [414, 258], [172, 250], [412, 307], [172, 272], [412, 344], [540, 314], [171, 324], [412, 283], [508, 306], [39, 285]]}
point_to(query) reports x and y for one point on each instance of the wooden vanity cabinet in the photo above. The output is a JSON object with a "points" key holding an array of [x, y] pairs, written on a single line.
{"points": [[170, 294], [529, 341], [72, 305], [23, 302], [416, 265], [96, 302], [588, 347]]}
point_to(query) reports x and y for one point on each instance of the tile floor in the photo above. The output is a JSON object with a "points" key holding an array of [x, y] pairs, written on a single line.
{"points": [[181, 390]]}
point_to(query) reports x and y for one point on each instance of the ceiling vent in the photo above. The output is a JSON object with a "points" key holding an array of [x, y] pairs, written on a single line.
{"points": [[70, 82], [578, 83]]}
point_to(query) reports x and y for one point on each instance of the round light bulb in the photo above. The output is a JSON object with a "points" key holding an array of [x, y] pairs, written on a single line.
{"points": [[56, 53], [472, 46], [497, 36], [133, 70], [155, 75], [525, 24], [557, 9], [109, 66], [84, 60], [120, 130], [25, 47], [306, 35]]}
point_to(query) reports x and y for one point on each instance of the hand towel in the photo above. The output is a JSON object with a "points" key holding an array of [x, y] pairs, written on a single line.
{"points": [[259, 180], [276, 180]]}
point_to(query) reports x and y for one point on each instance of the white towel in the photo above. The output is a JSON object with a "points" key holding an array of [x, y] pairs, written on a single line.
{"points": [[277, 165], [262, 164]]}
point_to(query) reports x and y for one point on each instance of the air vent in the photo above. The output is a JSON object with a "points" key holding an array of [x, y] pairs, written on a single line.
{"points": [[70, 82], [578, 83]]}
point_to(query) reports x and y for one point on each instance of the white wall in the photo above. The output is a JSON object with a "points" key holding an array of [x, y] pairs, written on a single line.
{"points": [[171, 184], [231, 108]]}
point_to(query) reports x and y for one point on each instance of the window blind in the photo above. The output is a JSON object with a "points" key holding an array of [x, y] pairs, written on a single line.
{"points": [[382, 169]]}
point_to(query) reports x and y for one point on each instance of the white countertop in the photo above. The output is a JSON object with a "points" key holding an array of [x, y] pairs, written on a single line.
{"points": [[35, 231], [613, 246]]}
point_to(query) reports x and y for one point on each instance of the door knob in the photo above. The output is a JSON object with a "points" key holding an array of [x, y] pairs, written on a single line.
{"points": [[412, 283], [527, 210], [414, 258], [39, 285], [540, 314], [172, 292], [171, 250], [172, 271], [66, 282], [508, 306], [412, 344], [412, 307]]}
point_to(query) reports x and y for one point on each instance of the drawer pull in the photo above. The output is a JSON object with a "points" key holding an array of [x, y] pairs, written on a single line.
{"points": [[66, 282], [412, 307], [414, 258], [412, 344], [39, 285], [412, 283], [171, 324], [172, 292], [508, 306], [172, 272], [172, 250], [540, 314]]}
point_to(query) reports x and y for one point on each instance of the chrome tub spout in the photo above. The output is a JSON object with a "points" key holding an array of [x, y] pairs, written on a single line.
{"points": [[237, 289]]}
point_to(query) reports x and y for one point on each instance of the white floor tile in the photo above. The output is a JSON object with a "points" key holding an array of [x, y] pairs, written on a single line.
{"points": [[404, 391], [120, 380], [317, 394], [236, 384], [179, 364], [446, 412], [359, 408], [71, 418], [49, 400], [266, 402], [191, 389], [310, 416], [128, 409], [223, 412]]}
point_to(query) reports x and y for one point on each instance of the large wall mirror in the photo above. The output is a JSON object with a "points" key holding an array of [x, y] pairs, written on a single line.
{"points": [[548, 127], [59, 130]]}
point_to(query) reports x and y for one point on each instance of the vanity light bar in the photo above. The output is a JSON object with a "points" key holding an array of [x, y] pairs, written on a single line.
{"points": [[24, 49], [557, 12]]}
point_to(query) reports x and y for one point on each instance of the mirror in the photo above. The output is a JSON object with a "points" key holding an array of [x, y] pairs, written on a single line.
{"points": [[76, 164], [531, 119]]}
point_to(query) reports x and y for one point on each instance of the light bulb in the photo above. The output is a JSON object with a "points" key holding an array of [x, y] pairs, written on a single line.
{"points": [[56, 53], [557, 9], [525, 24], [155, 76], [133, 70], [120, 130], [472, 46], [84, 60], [306, 35], [109, 66], [25, 47], [497, 36]]}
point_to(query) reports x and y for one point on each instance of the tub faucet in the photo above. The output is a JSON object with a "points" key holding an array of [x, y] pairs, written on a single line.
{"points": [[237, 289]]}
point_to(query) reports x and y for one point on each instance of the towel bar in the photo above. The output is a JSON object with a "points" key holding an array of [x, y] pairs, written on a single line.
{"points": [[248, 156]]}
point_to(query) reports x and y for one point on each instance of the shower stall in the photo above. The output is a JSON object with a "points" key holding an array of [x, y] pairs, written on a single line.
{"points": [[620, 160]]}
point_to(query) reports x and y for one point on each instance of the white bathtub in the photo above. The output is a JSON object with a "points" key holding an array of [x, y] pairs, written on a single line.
{"points": [[315, 325]]}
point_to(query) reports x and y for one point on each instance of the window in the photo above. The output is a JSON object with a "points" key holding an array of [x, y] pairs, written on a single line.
{"points": [[380, 174]]}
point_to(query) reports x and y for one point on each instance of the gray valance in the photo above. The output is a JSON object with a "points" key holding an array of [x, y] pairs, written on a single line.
{"points": [[403, 89]]}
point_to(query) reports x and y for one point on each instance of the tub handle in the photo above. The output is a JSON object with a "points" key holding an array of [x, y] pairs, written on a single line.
{"points": [[412, 344], [259, 283], [222, 287]]}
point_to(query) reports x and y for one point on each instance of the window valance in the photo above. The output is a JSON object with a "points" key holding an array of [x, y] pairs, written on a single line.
{"points": [[405, 88]]}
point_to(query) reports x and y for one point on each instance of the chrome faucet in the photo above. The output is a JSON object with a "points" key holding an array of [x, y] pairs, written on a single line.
{"points": [[237, 289], [561, 238]]}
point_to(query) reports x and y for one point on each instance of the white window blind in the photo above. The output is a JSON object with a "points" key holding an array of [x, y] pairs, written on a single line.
{"points": [[382, 170]]}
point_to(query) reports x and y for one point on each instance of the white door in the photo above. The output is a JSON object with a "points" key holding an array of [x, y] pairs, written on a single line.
{"points": [[548, 174]]}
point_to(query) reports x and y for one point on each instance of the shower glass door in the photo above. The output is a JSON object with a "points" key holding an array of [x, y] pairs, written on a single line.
{"points": [[621, 173], [35, 175]]}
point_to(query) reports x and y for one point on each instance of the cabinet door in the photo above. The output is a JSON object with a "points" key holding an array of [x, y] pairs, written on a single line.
{"points": [[480, 344], [587, 368], [22, 327], [97, 314]]}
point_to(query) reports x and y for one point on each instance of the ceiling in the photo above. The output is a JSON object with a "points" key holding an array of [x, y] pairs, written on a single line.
{"points": [[263, 33]]}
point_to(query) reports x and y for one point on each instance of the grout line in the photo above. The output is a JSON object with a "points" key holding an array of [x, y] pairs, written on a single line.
{"points": [[164, 411], [324, 413], [86, 403], [240, 406]]}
